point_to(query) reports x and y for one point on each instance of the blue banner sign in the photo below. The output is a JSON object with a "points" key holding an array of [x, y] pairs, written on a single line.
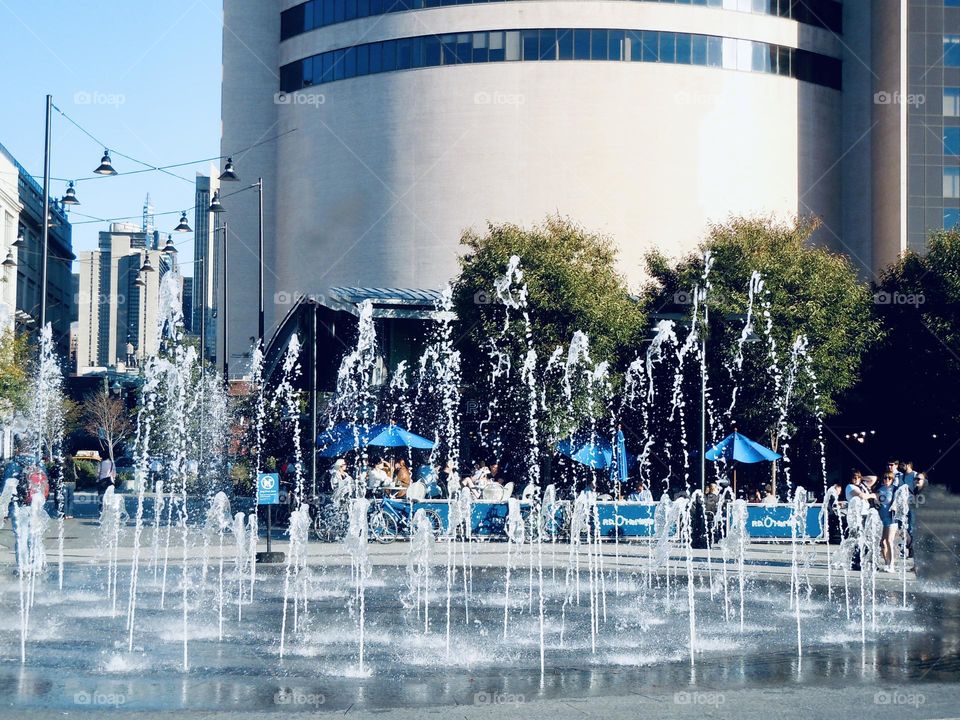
{"points": [[773, 521], [628, 519], [268, 489]]}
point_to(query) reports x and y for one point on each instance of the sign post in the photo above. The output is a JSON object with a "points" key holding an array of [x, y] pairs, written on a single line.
{"points": [[268, 493]]}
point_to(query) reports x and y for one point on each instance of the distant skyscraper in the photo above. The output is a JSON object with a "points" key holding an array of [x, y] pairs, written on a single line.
{"points": [[206, 263], [117, 324], [187, 304]]}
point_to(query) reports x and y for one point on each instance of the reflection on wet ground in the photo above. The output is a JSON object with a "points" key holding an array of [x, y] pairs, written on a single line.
{"points": [[77, 649]]}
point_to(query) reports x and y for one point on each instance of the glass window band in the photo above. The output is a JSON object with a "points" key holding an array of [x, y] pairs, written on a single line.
{"points": [[560, 44]]}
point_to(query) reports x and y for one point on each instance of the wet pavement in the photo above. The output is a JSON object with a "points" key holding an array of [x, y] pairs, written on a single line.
{"points": [[626, 654]]}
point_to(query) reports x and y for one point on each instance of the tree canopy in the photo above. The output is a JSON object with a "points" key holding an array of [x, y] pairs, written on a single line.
{"points": [[912, 381], [572, 284], [807, 290]]}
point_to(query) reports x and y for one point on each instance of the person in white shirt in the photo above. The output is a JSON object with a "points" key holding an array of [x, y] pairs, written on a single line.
{"points": [[341, 484], [768, 497]]}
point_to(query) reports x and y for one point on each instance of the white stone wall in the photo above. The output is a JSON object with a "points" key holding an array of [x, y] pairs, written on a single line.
{"points": [[379, 175]]}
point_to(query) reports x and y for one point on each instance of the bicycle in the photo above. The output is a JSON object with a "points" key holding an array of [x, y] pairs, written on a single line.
{"points": [[388, 519], [330, 521]]}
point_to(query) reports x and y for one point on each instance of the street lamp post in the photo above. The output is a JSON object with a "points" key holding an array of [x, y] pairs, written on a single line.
{"points": [[226, 309], [703, 395], [45, 234], [260, 328]]}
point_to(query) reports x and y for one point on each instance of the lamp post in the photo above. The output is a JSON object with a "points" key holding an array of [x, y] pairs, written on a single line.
{"points": [[230, 174], [45, 233], [703, 394], [217, 208], [226, 308]]}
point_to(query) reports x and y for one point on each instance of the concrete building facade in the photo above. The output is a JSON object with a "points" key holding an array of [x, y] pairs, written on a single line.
{"points": [[384, 129], [21, 218], [207, 254]]}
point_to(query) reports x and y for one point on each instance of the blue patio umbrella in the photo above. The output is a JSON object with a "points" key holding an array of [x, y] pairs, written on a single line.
{"points": [[590, 449], [739, 448], [346, 437], [336, 434], [393, 436]]}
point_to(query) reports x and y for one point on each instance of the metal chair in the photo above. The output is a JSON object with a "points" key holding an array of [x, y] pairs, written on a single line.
{"points": [[416, 492], [493, 492]]}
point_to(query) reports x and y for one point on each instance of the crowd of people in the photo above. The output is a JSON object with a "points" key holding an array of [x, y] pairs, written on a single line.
{"points": [[392, 477], [879, 493]]}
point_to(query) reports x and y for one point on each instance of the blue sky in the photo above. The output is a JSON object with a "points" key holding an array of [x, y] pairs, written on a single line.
{"points": [[143, 77]]}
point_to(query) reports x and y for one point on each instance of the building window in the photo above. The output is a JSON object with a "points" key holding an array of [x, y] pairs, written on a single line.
{"points": [[593, 44], [951, 141], [315, 14], [951, 102], [951, 182], [951, 50], [951, 216]]}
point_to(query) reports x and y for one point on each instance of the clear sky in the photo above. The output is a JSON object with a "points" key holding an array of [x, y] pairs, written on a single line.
{"points": [[142, 77]]}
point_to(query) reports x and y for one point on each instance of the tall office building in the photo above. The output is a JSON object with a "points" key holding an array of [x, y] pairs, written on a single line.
{"points": [[187, 305], [207, 253], [392, 126], [117, 326]]}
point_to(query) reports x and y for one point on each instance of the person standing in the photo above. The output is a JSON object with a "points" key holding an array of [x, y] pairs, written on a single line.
{"points": [[14, 473], [106, 476], [885, 494], [915, 482]]}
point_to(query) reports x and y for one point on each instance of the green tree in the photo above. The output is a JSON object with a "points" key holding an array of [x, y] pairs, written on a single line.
{"points": [[908, 394], [572, 284], [14, 374], [809, 290]]}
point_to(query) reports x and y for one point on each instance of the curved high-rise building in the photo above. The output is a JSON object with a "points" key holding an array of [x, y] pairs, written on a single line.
{"points": [[384, 128]]}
